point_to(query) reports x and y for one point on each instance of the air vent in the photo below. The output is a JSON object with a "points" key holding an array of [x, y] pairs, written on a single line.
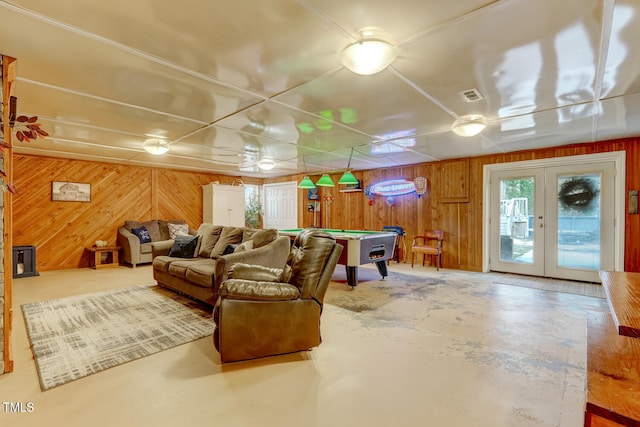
{"points": [[471, 95]]}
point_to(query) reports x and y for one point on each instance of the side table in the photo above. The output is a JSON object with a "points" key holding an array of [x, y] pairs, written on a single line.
{"points": [[105, 257]]}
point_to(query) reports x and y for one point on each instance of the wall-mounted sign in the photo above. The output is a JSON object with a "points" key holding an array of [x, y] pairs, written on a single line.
{"points": [[394, 187]]}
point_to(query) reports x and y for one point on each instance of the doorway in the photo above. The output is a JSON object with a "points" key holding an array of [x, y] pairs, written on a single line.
{"points": [[281, 205], [555, 218]]}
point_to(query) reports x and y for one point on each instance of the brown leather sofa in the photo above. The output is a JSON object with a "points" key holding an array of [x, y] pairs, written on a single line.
{"points": [[267, 311], [200, 273]]}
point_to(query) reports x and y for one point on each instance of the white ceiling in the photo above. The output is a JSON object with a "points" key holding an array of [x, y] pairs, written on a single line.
{"points": [[229, 82]]}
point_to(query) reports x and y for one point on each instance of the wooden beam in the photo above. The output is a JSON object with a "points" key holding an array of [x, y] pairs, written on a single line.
{"points": [[9, 72]]}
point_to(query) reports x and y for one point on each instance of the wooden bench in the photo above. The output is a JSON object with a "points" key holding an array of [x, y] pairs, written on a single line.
{"points": [[623, 295], [613, 359]]}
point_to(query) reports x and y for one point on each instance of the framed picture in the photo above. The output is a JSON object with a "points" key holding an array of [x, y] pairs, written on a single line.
{"points": [[70, 191], [313, 194]]}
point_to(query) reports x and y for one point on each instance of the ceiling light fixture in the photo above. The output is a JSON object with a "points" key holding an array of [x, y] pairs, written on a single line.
{"points": [[368, 55], [266, 164], [469, 125], [325, 181], [348, 178], [156, 146]]}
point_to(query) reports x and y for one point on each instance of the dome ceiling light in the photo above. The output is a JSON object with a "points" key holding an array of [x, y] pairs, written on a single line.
{"points": [[266, 164], [156, 146], [368, 55], [469, 125]]}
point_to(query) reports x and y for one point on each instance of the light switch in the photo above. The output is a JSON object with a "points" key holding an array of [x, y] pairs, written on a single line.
{"points": [[633, 201]]}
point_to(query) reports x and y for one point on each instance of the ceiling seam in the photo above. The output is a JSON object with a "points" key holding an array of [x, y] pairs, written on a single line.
{"points": [[108, 100], [605, 42], [125, 48]]}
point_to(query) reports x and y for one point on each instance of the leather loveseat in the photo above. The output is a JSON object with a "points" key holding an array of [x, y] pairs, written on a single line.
{"points": [[269, 311], [199, 273]]}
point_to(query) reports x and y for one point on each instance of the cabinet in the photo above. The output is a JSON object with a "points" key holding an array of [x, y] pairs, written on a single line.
{"points": [[454, 181], [223, 204]]}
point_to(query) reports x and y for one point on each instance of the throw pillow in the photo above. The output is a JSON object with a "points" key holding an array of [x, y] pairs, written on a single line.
{"points": [[176, 229], [143, 234], [244, 246], [262, 237], [210, 235], [153, 229], [247, 233], [229, 249], [130, 225], [256, 273], [228, 236], [184, 246]]}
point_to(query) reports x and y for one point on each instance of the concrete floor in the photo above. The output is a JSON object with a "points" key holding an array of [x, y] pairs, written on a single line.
{"points": [[472, 353]]}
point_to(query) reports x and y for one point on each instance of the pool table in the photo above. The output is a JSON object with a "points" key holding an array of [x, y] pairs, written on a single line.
{"points": [[360, 247]]}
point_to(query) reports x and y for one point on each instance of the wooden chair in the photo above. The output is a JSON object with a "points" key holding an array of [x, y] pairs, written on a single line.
{"points": [[430, 243]]}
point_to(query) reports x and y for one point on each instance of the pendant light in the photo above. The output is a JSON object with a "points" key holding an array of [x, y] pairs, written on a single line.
{"points": [[325, 181], [348, 178], [306, 182]]}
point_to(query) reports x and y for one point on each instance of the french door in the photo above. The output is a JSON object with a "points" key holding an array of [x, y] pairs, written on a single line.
{"points": [[553, 221]]}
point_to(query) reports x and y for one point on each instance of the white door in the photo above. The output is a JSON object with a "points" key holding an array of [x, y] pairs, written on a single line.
{"points": [[554, 221], [581, 240], [281, 205]]}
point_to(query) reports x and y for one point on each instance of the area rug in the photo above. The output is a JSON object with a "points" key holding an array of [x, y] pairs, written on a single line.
{"points": [[77, 336]]}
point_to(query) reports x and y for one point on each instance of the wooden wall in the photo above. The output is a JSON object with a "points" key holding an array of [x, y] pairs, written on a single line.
{"points": [[454, 201], [8, 70], [61, 230]]}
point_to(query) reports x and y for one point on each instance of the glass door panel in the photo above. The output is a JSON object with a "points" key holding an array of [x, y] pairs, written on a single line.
{"points": [[580, 227], [578, 242], [515, 223], [516, 214]]}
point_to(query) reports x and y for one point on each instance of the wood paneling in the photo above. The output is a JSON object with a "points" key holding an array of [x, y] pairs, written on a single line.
{"points": [[454, 185], [9, 70], [460, 219], [61, 231]]}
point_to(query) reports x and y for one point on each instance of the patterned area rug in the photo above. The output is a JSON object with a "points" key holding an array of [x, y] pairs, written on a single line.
{"points": [[77, 336]]}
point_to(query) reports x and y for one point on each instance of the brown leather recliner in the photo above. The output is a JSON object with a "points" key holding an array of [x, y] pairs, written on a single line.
{"points": [[265, 311]]}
